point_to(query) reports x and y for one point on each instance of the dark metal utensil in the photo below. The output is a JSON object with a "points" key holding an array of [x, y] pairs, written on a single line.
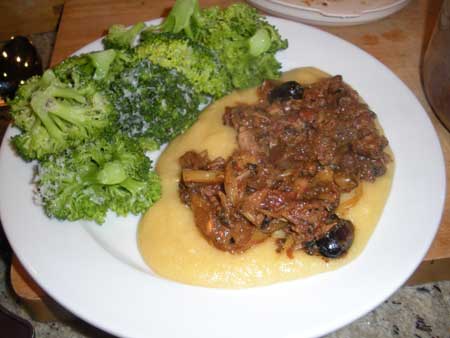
{"points": [[14, 326], [19, 60]]}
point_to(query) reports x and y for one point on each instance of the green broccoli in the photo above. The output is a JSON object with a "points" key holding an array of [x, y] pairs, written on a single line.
{"points": [[198, 63], [154, 104], [53, 116], [20, 104], [239, 32], [179, 18], [100, 66], [243, 40], [90, 120], [99, 175], [121, 37]]}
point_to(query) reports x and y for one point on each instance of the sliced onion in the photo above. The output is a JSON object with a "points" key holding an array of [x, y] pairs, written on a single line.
{"points": [[325, 175], [279, 234], [249, 216], [258, 237], [345, 183], [349, 200], [202, 176], [230, 184]]}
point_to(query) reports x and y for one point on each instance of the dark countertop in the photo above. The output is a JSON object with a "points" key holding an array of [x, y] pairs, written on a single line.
{"points": [[421, 311]]}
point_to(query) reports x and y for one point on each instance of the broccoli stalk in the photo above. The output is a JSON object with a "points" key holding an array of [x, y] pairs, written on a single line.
{"points": [[112, 173], [102, 62], [105, 174], [259, 42], [121, 37], [181, 17]]}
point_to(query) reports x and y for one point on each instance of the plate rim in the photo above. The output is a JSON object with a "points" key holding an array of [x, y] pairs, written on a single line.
{"points": [[317, 17]]}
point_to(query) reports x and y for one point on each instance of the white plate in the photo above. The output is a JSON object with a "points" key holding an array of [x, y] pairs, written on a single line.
{"points": [[96, 271], [331, 12]]}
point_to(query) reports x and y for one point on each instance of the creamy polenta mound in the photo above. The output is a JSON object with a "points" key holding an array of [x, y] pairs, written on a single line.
{"points": [[174, 248]]}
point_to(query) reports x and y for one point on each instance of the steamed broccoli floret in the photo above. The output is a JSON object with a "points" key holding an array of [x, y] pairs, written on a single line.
{"points": [[121, 37], [155, 104], [101, 66], [100, 175], [239, 32], [53, 116], [180, 18], [20, 105], [242, 39], [198, 63]]}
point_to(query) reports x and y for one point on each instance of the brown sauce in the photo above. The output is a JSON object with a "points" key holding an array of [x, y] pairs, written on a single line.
{"points": [[174, 248]]}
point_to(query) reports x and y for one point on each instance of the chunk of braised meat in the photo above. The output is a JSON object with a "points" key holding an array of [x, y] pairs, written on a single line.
{"points": [[214, 213], [199, 162], [329, 126], [300, 148], [256, 199]]}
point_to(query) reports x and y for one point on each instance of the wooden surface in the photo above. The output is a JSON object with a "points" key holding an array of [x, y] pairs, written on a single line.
{"points": [[398, 41], [24, 17]]}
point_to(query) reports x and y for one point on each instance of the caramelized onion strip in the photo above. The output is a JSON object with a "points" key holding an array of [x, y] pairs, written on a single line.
{"points": [[202, 176], [350, 199]]}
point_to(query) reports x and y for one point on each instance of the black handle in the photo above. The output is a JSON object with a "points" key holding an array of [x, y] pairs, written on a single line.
{"points": [[14, 326]]}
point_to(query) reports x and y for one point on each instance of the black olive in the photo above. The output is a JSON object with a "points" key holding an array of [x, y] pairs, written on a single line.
{"points": [[265, 223], [338, 240], [19, 60], [286, 91]]}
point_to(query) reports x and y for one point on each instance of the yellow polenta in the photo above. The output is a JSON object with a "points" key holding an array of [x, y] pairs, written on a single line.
{"points": [[174, 248]]}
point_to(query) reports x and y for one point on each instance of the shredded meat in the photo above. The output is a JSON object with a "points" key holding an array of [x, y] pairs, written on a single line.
{"points": [[296, 156]]}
